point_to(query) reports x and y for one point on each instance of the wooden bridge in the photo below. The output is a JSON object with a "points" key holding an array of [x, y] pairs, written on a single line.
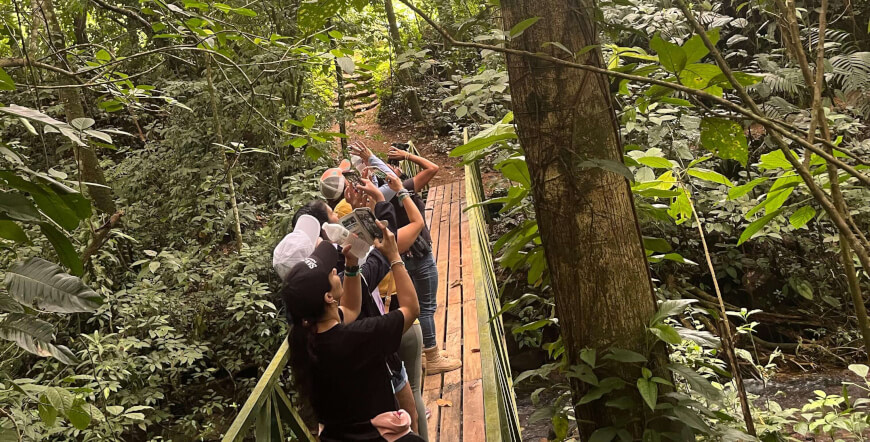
{"points": [[474, 403]]}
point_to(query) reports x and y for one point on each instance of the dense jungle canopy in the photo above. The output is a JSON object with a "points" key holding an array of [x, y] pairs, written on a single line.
{"points": [[678, 198]]}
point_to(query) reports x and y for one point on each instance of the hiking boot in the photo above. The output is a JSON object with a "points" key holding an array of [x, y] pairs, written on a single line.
{"points": [[436, 363]]}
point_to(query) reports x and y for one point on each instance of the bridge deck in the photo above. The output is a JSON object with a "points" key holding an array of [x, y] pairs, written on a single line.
{"points": [[455, 399]]}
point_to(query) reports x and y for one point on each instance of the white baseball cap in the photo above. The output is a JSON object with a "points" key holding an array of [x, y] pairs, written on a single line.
{"points": [[297, 245]]}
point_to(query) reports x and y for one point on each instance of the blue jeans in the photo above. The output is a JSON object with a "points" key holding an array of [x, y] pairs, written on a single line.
{"points": [[424, 274]]}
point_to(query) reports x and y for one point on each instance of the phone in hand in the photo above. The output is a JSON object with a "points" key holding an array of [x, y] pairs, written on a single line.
{"points": [[353, 176]]}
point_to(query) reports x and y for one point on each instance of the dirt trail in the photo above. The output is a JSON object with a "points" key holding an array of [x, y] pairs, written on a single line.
{"points": [[365, 127]]}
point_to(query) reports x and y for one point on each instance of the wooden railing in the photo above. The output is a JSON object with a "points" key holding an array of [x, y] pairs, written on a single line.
{"points": [[268, 409], [499, 400]]}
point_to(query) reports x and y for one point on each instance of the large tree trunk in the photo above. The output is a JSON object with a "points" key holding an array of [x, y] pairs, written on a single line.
{"points": [[46, 29], [404, 79], [585, 215]]}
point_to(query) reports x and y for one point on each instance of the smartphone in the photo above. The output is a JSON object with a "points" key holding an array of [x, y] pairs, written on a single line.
{"points": [[393, 162], [353, 176]]}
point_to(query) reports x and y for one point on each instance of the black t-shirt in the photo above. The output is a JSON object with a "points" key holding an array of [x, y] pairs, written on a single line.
{"points": [[423, 245], [351, 382]]}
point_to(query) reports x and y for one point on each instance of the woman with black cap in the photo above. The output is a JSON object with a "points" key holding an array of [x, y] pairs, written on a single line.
{"points": [[338, 361]]}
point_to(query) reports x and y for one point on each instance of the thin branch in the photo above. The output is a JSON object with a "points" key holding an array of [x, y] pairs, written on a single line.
{"points": [[23, 62], [131, 14], [754, 114]]}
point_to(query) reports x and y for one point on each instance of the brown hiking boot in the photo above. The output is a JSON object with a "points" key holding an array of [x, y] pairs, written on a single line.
{"points": [[436, 363]]}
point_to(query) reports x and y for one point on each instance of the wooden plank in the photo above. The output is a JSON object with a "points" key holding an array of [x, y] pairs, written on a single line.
{"points": [[441, 230], [451, 417], [443, 261], [473, 424]]}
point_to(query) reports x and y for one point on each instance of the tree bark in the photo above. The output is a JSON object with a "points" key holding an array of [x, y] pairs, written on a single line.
{"points": [[46, 29], [339, 84], [404, 79], [586, 216]]}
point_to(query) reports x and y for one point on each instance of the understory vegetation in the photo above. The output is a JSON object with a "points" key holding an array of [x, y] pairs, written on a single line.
{"points": [[153, 154]]}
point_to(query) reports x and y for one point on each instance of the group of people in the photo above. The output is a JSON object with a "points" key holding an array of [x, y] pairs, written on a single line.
{"points": [[362, 335]]}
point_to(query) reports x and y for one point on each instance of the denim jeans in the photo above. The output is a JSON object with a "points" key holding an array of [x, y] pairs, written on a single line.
{"points": [[424, 274]]}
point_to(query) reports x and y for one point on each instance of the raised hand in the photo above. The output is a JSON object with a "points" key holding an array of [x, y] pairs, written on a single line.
{"points": [[370, 190], [387, 245], [397, 154], [394, 182], [359, 149]]}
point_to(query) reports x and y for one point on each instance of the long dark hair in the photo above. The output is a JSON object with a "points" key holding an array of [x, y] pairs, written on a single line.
{"points": [[305, 309]]}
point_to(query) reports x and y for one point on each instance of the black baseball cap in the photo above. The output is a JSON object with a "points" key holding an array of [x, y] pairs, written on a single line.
{"points": [[308, 281]]}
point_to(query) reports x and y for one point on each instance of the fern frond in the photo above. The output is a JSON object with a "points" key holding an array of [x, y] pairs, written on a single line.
{"points": [[785, 81], [852, 71]]}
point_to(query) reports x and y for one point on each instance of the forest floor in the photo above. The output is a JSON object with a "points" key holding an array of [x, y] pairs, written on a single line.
{"points": [[365, 127]]}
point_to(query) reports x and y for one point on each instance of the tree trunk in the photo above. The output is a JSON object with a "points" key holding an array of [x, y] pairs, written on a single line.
{"points": [[585, 215], [45, 22], [339, 84], [404, 79]]}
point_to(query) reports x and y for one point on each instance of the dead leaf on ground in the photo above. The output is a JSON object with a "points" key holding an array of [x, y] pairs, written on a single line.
{"points": [[444, 403]]}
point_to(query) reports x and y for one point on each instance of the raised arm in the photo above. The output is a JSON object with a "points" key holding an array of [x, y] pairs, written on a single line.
{"points": [[351, 301], [361, 150], [407, 234], [429, 169], [407, 295]]}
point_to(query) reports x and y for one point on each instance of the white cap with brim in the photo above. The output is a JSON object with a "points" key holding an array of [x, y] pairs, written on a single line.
{"points": [[297, 245]]}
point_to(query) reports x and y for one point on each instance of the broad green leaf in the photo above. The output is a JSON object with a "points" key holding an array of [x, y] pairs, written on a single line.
{"points": [[666, 333], [709, 175], [308, 121], [725, 138], [520, 27], [801, 216], [8, 304], [743, 189], [66, 252], [103, 55], [346, 64], [588, 355], [802, 287], [700, 337], [461, 111], [648, 391], [775, 160], [47, 413], [771, 203], [12, 231], [680, 209], [695, 48], [244, 12], [671, 56], [605, 434], [44, 286], [297, 142], [699, 383], [605, 386], [516, 170], [625, 356], [481, 143], [27, 331], [659, 245], [6, 82], [18, 207], [670, 308], [699, 76], [755, 226], [859, 369], [656, 162], [608, 165], [82, 123], [78, 415], [742, 77]]}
